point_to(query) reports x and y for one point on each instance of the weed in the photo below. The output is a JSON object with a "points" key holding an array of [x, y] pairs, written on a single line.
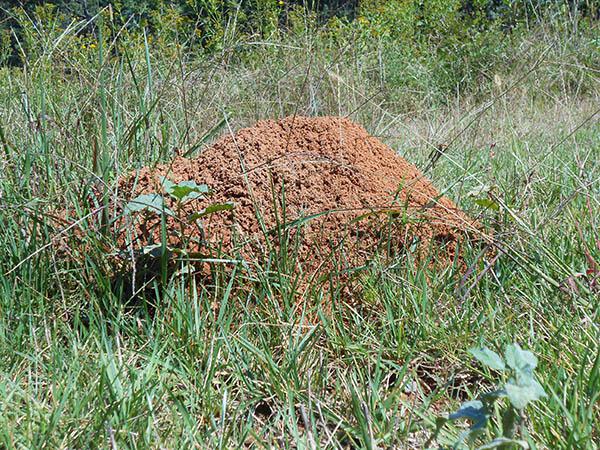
{"points": [[520, 390]]}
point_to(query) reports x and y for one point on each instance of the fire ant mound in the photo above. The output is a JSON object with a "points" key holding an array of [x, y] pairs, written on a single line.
{"points": [[322, 184]]}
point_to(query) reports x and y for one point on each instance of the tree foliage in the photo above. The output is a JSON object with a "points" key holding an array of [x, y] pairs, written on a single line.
{"points": [[205, 22]]}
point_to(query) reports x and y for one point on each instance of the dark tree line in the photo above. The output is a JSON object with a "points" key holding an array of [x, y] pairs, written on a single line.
{"points": [[209, 16], [194, 8]]}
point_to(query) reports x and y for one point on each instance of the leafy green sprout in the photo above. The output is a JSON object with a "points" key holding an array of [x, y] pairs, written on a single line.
{"points": [[521, 389], [183, 193]]}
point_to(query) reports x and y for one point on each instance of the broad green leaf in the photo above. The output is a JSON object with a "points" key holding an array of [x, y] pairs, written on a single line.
{"points": [[473, 410], [210, 210], [521, 361], [498, 442], [167, 184], [487, 357], [185, 190], [520, 395], [150, 202], [488, 203]]}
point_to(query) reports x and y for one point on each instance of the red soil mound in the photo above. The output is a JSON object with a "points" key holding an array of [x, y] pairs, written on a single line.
{"points": [[371, 195]]}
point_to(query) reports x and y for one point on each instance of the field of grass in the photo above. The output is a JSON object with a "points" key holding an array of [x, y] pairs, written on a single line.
{"points": [[237, 363]]}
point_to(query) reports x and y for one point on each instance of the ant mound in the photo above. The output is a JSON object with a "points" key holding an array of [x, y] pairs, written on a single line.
{"points": [[319, 188]]}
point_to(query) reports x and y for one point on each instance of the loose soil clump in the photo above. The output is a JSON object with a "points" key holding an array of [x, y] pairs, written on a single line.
{"points": [[322, 184]]}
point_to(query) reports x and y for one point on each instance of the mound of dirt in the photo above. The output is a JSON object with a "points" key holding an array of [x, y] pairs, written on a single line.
{"points": [[324, 180]]}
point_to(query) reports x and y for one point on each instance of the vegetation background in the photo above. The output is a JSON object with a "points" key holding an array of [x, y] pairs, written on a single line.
{"points": [[496, 99]]}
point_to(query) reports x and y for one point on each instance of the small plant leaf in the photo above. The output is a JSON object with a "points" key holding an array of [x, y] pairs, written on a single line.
{"points": [[150, 202], [522, 393], [520, 390], [487, 357], [502, 441], [488, 203], [167, 184], [473, 410], [521, 361], [211, 210], [185, 190]]}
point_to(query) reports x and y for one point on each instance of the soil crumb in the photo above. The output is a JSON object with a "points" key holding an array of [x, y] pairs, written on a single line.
{"points": [[321, 184]]}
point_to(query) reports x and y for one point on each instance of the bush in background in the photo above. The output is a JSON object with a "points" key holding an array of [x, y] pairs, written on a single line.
{"points": [[434, 48]]}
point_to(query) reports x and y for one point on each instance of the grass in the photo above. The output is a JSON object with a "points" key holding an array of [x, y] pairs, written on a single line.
{"points": [[238, 364]]}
